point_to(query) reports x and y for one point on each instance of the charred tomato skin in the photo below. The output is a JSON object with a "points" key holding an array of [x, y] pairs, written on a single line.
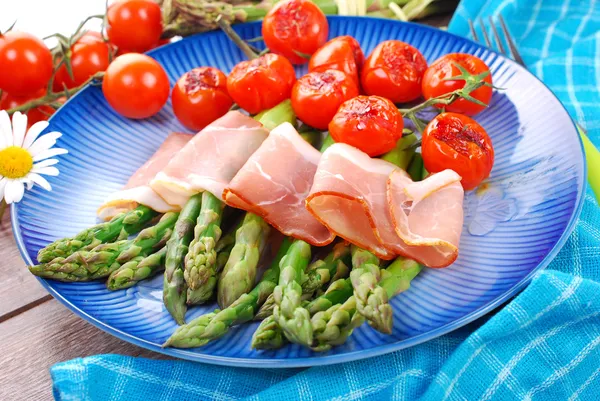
{"points": [[457, 142], [317, 96], [200, 96], [372, 124], [394, 70], [437, 82]]}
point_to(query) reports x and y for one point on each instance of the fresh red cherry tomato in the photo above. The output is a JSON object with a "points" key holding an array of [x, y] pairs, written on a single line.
{"points": [[342, 53], [317, 96], [89, 55], [40, 113], [25, 63], [262, 83], [200, 97], [135, 25], [372, 124], [135, 85], [295, 26], [394, 70], [457, 142], [436, 82]]}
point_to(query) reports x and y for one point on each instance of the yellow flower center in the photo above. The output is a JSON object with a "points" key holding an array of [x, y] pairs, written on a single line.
{"points": [[15, 162]]}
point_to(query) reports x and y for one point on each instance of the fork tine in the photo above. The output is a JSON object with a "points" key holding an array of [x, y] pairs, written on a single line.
{"points": [[486, 38], [497, 37], [473, 31], [511, 43]]}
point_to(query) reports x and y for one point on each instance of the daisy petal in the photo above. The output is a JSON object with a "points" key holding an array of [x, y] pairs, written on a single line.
{"points": [[41, 181], [49, 153], [29, 185], [14, 191], [5, 130], [19, 122], [3, 182], [43, 143], [53, 171], [45, 163], [33, 132]]}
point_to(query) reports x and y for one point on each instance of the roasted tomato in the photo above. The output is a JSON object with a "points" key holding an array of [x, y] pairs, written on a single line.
{"points": [[200, 97], [437, 82], [455, 141], [262, 83], [317, 96], [295, 26], [372, 124], [394, 70], [342, 53], [25, 63]]}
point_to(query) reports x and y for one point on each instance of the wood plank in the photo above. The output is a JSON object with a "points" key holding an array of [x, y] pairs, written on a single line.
{"points": [[18, 287], [49, 333]]}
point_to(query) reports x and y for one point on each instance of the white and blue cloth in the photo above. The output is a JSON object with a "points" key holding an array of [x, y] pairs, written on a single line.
{"points": [[544, 345]]}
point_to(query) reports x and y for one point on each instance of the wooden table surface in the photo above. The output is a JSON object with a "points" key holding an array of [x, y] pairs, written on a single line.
{"points": [[36, 331]]}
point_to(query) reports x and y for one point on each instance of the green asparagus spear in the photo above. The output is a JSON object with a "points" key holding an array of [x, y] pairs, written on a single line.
{"points": [[277, 115], [238, 276], [120, 227], [338, 292], [136, 270], [200, 262], [268, 335], [403, 153], [202, 330], [288, 311], [174, 287], [223, 248], [106, 258], [415, 170]]}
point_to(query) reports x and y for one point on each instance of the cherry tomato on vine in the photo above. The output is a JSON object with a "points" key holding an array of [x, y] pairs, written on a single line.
{"points": [[436, 82], [394, 70], [89, 55], [372, 124], [135, 85], [41, 113], [455, 141], [342, 53], [295, 26], [317, 96], [262, 83], [25, 63], [200, 97], [135, 25]]}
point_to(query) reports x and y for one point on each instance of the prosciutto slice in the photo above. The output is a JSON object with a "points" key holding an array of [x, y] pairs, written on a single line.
{"points": [[275, 182], [211, 159], [355, 196], [137, 190]]}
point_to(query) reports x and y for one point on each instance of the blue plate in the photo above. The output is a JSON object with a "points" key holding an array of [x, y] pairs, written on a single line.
{"points": [[513, 227]]}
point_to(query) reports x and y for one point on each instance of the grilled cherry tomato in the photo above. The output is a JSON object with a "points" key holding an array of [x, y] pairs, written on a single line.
{"points": [[394, 70], [262, 83], [135, 25], [458, 142], [372, 124], [436, 82], [342, 53], [25, 63], [135, 85], [40, 113], [295, 26], [89, 55], [200, 97], [317, 96]]}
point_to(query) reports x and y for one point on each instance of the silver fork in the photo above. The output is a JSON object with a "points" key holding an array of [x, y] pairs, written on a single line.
{"points": [[513, 52]]}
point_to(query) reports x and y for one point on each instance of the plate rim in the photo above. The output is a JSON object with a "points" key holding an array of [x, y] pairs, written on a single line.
{"points": [[323, 360]]}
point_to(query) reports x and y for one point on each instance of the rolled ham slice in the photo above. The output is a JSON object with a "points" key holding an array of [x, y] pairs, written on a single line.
{"points": [[211, 159], [275, 182], [350, 197], [137, 190]]}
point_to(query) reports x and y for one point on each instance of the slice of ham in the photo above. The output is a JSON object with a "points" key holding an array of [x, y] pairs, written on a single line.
{"points": [[137, 190], [211, 159], [274, 184], [350, 197]]}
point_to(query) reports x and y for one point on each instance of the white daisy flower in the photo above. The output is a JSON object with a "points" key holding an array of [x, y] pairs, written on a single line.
{"points": [[24, 157]]}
